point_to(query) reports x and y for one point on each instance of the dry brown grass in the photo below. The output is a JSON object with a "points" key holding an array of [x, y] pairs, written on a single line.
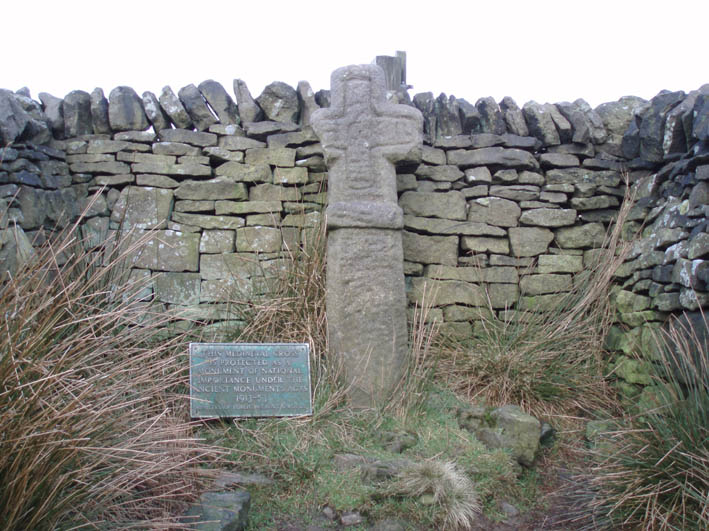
{"points": [[549, 361], [94, 428]]}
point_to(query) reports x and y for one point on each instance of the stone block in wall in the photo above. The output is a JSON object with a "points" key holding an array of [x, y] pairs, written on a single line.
{"points": [[94, 232], [143, 157], [196, 107], [114, 146], [113, 180], [433, 155], [114, 167], [185, 136], [248, 207], [250, 173], [165, 250], [487, 275], [142, 208], [173, 107], [479, 174], [284, 157], [262, 130], [177, 288], [505, 176], [272, 192], [205, 221], [484, 244], [586, 236], [493, 156], [577, 176], [494, 211], [544, 283], [596, 202], [430, 249], [99, 112], [449, 205], [240, 143], [502, 296], [279, 102], [227, 290], [540, 123], [212, 189], [691, 299], [125, 110], [514, 119], [667, 302], [559, 263], [558, 160], [284, 175], [311, 219], [76, 109], [174, 148], [156, 116], [248, 109], [190, 205], [445, 292], [218, 154], [445, 173], [698, 246], [229, 265], [445, 227], [258, 240], [515, 192], [148, 137], [217, 241], [529, 241], [457, 313], [179, 170], [541, 303], [548, 217]]}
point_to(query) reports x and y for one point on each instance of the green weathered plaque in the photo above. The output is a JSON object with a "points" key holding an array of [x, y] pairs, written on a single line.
{"points": [[249, 380]]}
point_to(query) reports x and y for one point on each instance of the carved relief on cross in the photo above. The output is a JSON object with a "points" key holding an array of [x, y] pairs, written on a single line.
{"points": [[363, 136]]}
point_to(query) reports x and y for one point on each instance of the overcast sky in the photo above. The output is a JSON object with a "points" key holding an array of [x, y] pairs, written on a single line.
{"points": [[543, 50]]}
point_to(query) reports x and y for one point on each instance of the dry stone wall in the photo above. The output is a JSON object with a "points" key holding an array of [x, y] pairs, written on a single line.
{"points": [[500, 201]]}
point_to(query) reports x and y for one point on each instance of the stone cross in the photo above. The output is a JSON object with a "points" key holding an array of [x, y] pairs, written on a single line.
{"points": [[363, 136]]}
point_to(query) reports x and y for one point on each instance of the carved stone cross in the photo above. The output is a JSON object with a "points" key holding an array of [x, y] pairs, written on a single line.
{"points": [[363, 136]]}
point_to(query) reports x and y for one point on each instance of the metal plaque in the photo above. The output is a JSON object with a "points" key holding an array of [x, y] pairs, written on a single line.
{"points": [[249, 380]]}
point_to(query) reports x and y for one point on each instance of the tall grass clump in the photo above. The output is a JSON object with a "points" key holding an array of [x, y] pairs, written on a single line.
{"points": [[93, 431], [546, 358], [652, 472]]}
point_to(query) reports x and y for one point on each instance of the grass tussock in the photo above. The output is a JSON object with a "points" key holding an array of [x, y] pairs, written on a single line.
{"points": [[93, 430], [652, 472], [545, 357], [443, 485]]}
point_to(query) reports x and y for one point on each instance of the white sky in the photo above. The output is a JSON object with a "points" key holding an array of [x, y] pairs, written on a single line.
{"points": [[546, 50]]}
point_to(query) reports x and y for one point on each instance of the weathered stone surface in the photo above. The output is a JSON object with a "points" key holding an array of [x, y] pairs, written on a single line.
{"points": [[183, 170], [362, 136], [544, 283], [540, 123], [582, 236], [284, 157], [272, 192], [177, 288], [513, 429], [559, 263], [444, 226], [260, 173], [279, 102], [516, 192], [491, 118], [494, 211], [142, 208], [430, 249], [529, 241], [442, 173], [514, 117], [217, 188], [548, 217], [220, 102], [156, 116], [579, 176], [258, 240], [185, 136], [196, 107], [221, 511], [558, 160], [99, 112], [483, 244], [493, 156], [166, 250], [290, 175], [562, 125], [249, 111], [447, 113], [217, 241], [579, 122], [449, 205], [54, 111], [306, 102], [76, 109], [173, 107], [495, 275], [445, 292], [208, 222], [125, 110]]}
